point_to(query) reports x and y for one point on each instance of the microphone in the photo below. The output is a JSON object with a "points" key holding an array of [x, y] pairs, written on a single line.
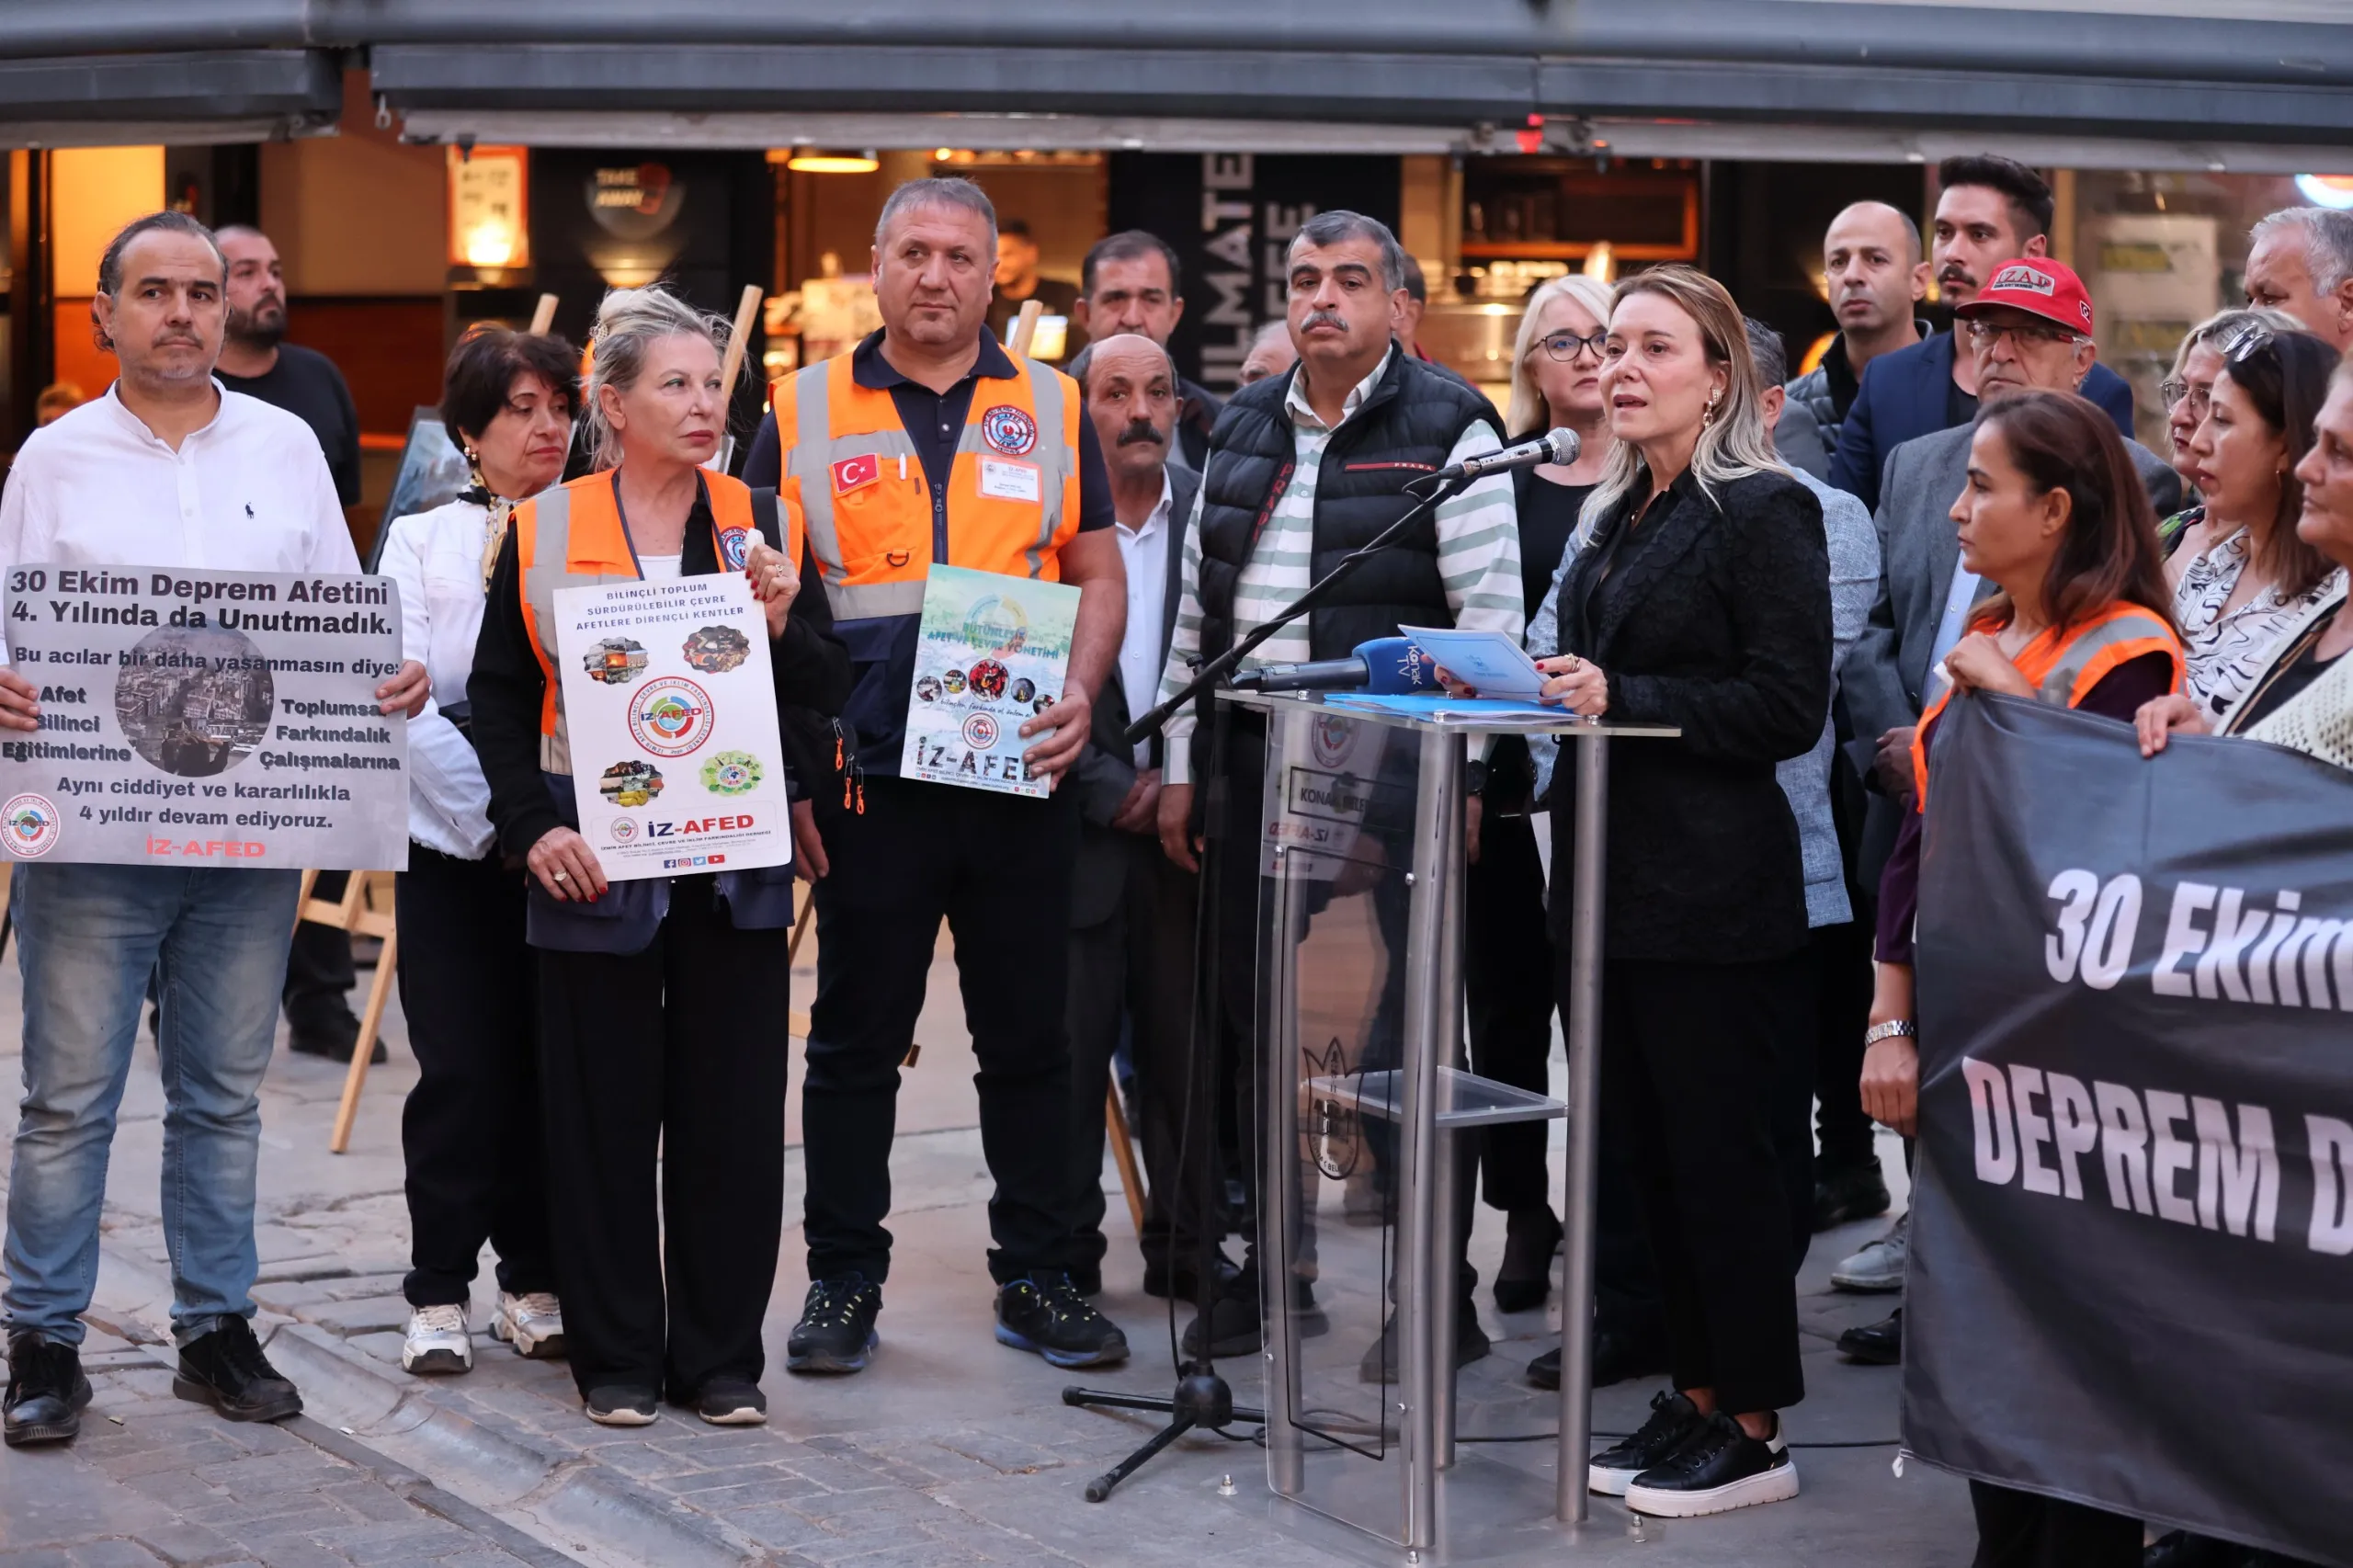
{"points": [[1559, 445], [1385, 667]]}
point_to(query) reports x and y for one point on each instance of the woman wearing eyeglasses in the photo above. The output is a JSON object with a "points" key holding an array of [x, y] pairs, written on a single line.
{"points": [[2256, 586], [1556, 382], [2187, 389]]}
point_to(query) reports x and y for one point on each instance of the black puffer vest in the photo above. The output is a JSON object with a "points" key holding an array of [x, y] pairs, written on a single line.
{"points": [[1404, 431]]}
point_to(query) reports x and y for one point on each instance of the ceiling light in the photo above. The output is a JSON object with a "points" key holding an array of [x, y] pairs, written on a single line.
{"points": [[834, 163]]}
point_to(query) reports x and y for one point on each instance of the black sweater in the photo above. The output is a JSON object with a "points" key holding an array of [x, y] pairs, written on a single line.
{"points": [[507, 687]]}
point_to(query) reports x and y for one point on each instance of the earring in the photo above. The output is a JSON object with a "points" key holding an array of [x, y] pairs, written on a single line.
{"points": [[1709, 418]]}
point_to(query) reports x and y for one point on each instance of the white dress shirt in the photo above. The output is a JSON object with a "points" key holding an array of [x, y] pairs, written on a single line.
{"points": [[1144, 550], [249, 492], [436, 557]]}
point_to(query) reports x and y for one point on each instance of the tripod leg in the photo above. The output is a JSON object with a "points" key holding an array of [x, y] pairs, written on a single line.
{"points": [[1100, 1487]]}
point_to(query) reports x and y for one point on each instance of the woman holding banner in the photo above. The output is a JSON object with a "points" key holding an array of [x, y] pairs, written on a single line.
{"points": [[662, 1013], [470, 1132], [2055, 515]]}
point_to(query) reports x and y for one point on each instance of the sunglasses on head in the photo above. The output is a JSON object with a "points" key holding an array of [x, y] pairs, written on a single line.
{"points": [[2246, 341]]}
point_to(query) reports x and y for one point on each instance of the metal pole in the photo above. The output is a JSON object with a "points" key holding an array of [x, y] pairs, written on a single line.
{"points": [[1585, 1077], [1450, 1241], [1439, 804], [1279, 1178]]}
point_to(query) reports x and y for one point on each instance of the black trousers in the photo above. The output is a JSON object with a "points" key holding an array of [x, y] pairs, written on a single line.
{"points": [[469, 1130], [679, 1053], [1692, 1059], [319, 972], [1508, 981], [998, 869], [1842, 990], [1136, 966], [2020, 1529]]}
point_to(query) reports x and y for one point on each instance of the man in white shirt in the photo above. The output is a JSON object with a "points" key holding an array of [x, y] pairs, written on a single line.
{"points": [[167, 469], [1131, 911]]}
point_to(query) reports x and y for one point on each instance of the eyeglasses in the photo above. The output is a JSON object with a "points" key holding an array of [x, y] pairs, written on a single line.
{"points": [[1563, 345], [2171, 391], [1983, 335]]}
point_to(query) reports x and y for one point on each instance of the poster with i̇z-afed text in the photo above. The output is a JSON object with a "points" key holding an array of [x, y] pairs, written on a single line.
{"points": [[677, 769], [991, 656], [197, 718]]}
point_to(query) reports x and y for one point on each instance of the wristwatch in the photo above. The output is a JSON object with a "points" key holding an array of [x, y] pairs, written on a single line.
{"points": [[1475, 778], [1892, 1030]]}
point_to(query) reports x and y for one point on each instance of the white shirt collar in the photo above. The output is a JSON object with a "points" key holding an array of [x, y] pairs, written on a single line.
{"points": [[137, 426], [1159, 513], [1302, 413]]}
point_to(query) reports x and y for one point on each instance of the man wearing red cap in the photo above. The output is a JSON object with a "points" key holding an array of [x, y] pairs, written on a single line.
{"points": [[2029, 328]]}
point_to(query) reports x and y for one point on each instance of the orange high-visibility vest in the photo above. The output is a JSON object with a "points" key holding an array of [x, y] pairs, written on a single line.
{"points": [[2062, 665], [851, 478], [572, 537]]}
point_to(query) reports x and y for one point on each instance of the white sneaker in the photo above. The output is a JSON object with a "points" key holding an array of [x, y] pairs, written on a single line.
{"points": [[532, 1322], [437, 1342], [1879, 1267]]}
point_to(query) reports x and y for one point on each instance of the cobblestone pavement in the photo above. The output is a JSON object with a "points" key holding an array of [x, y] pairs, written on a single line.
{"points": [[951, 1450]]}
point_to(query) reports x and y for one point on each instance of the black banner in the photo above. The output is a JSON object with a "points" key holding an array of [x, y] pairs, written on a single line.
{"points": [[1230, 216], [2131, 1271]]}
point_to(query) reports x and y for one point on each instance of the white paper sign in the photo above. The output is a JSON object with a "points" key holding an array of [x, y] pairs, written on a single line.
{"points": [[676, 765]]}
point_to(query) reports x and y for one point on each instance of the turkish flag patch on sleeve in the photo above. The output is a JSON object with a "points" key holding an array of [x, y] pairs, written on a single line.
{"points": [[851, 472]]}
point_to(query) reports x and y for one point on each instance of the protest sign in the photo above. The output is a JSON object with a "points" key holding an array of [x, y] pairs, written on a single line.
{"points": [[670, 702], [991, 654], [2132, 1233], [198, 718]]}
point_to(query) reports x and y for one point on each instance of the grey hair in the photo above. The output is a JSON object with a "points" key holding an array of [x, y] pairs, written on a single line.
{"points": [[960, 194], [1771, 354], [1340, 224], [166, 221], [2223, 323], [629, 322], [2328, 241]]}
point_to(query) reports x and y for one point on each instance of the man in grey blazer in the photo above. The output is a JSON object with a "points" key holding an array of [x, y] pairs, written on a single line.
{"points": [[2030, 328], [1132, 910]]}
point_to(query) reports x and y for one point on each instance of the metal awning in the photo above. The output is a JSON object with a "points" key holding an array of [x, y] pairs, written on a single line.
{"points": [[244, 95]]}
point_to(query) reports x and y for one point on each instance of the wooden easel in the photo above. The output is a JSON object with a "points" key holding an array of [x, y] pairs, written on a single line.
{"points": [[365, 910]]}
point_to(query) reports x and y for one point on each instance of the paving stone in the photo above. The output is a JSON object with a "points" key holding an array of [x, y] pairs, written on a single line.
{"points": [[737, 1475], [115, 1553], [183, 1457], [370, 1315], [184, 1543], [370, 1499], [291, 1296], [778, 1527], [39, 1557]]}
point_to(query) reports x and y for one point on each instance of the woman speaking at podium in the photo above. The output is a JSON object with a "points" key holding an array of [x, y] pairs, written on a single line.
{"points": [[1701, 600], [663, 1014]]}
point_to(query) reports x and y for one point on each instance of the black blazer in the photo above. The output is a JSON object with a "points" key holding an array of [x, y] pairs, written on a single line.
{"points": [[1712, 615]]}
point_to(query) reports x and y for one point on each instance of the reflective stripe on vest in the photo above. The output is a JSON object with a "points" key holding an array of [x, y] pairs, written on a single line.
{"points": [[872, 539], [572, 537], [2063, 669]]}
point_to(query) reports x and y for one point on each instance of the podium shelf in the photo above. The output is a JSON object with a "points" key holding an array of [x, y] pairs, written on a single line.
{"points": [[1464, 1099]]}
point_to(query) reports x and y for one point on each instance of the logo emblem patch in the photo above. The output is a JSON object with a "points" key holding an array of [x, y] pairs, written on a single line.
{"points": [[671, 717], [1008, 430], [2025, 279], [736, 546], [850, 473], [980, 730], [30, 823]]}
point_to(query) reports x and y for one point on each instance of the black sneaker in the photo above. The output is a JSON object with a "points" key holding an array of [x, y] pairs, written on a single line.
{"points": [[1859, 1192], [1379, 1362], [47, 1391], [1163, 1280], [1235, 1328], [621, 1404], [1721, 1469], [1674, 1422], [835, 1333], [334, 1038], [1616, 1357], [1877, 1344], [226, 1369], [1042, 1312], [730, 1402]]}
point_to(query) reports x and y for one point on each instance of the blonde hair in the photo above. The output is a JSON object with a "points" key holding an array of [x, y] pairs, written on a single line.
{"points": [[1527, 411], [629, 322], [1732, 445], [2223, 323]]}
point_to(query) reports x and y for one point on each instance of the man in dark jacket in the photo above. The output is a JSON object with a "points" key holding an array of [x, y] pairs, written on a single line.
{"points": [[1302, 468], [1872, 266], [1991, 210], [1130, 282]]}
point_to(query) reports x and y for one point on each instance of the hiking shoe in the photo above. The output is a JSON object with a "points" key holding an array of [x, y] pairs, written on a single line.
{"points": [[730, 1402], [1380, 1363], [532, 1322], [1720, 1469], [1879, 1267], [1674, 1422], [437, 1342], [1877, 1344], [1041, 1312], [47, 1391], [226, 1369], [1859, 1192], [835, 1333], [621, 1404]]}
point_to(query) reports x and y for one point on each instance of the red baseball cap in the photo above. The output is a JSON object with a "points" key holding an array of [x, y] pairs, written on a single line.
{"points": [[2038, 286]]}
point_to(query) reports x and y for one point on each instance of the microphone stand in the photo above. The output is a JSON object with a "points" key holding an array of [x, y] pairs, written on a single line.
{"points": [[1203, 1399]]}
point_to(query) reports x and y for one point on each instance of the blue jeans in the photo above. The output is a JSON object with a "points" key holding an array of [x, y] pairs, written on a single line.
{"points": [[88, 937]]}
